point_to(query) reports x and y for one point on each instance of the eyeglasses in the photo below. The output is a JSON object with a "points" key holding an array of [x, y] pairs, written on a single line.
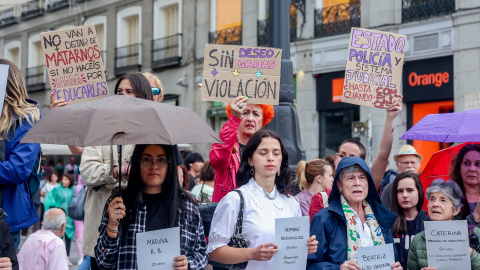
{"points": [[147, 162], [156, 91]]}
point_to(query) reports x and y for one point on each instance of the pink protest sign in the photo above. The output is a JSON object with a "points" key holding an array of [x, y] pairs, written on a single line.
{"points": [[374, 68]]}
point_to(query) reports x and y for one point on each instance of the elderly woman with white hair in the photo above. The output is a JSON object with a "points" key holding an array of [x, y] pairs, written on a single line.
{"points": [[444, 202]]}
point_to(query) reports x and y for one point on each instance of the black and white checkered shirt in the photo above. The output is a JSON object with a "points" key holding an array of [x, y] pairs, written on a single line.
{"points": [[192, 239]]}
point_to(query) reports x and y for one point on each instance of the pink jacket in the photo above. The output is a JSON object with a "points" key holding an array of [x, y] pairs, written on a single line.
{"points": [[225, 159]]}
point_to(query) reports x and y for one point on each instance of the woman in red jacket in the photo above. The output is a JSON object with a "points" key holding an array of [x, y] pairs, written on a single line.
{"points": [[243, 121]]}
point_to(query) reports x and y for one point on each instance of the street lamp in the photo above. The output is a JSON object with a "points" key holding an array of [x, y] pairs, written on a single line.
{"points": [[285, 122]]}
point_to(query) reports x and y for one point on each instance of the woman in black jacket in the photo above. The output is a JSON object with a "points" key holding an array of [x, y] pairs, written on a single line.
{"points": [[406, 202], [8, 257]]}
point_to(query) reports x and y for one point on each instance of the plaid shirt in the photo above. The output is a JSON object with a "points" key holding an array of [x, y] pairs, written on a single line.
{"points": [[192, 239]]}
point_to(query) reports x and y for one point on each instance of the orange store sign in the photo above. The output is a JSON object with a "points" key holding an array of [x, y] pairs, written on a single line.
{"points": [[436, 79]]}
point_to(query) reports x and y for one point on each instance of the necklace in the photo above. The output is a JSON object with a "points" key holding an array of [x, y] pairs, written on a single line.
{"points": [[268, 195]]}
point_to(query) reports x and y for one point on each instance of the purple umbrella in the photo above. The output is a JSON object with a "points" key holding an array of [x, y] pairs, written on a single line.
{"points": [[447, 127]]}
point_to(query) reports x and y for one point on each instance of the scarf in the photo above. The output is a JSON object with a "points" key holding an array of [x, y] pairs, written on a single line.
{"points": [[353, 236]]}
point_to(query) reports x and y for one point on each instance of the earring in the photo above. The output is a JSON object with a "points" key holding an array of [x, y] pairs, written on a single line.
{"points": [[252, 171], [278, 173]]}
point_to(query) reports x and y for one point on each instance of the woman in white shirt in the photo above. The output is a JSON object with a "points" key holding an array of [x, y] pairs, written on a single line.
{"points": [[264, 180]]}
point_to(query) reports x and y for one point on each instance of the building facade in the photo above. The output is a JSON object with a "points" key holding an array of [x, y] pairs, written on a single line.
{"points": [[168, 37]]}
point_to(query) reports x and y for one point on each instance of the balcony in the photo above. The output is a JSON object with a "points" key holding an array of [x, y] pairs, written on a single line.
{"points": [[262, 31], [335, 20], [35, 77], [416, 10], [31, 10], [7, 17], [57, 5], [128, 58], [230, 36], [166, 51]]}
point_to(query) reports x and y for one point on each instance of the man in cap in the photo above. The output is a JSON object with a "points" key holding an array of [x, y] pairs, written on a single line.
{"points": [[407, 159]]}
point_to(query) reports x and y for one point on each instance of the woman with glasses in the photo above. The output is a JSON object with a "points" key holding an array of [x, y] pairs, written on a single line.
{"points": [[153, 200], [156, 84]]}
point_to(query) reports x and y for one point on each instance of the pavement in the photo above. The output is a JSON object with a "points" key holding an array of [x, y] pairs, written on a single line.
{"points": [[73, 252]]}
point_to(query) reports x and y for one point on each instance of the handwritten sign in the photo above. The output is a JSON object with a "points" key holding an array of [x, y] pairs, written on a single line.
{"points": [[156, 249], [3, 83], [379, 257], [230, 71], [291, 236], [447, 244], [74, 64], [374, 68]]}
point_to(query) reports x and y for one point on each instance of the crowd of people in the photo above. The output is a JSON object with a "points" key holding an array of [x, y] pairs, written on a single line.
{"points": [[350, 205]]}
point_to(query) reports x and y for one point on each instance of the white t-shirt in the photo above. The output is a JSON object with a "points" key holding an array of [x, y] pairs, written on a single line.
{"points": [[258, 222], [47, 188]]}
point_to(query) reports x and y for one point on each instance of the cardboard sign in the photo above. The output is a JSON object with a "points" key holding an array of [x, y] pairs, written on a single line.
{"points": [[379, 257], [448, 244], [156, 249], [291, 236], [3, 83], [374, 68], [230, 71], [74, 64]]}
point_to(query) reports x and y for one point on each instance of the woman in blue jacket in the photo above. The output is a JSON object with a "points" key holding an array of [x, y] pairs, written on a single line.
{"points": [[17, 160], [353, 199]]}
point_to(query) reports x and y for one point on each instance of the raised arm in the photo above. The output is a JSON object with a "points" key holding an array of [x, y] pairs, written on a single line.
{"points": [[381, 161]]}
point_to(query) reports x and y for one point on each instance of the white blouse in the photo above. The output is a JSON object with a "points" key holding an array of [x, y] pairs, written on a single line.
{"points": [[258, 220]]}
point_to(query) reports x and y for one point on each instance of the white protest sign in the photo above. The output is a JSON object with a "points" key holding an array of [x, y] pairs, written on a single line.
{"points": [[447, 244], [379, 257], [74, 64], [291, 236], [156, 249], [374, 68], [3, 83]]}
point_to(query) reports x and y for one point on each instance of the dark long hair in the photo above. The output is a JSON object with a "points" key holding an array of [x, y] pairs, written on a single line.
{"points": [[140, 84], [283, 183], [457, 177], [400, 224], [171, 190]]}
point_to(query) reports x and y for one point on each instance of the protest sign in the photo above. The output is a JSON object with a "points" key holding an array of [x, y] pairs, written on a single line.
{"points": [[291, 236], [3, 83], [374, 68], [74, 64], [447, 244], [379, 257], [156, 249], [230, 71]]}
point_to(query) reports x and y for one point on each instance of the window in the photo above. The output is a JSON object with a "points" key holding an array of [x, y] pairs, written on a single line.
{"points": [[167, 33], [100, 22], [128, 53], [12, 52], [35, 75], [226, 22]]}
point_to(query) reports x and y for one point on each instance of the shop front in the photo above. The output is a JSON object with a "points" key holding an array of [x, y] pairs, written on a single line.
{"points": [[427, 89], [336, 117]]}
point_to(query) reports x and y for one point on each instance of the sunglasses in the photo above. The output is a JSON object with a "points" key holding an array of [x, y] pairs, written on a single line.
{"points": [[156, 91]]}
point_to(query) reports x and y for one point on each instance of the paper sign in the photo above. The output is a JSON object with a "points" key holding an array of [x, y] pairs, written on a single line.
{"points": [[74, 64], [379, 257], [230, 71], [374, 68], [448, 244], [3, 83], [156, 249], [291, 236]]}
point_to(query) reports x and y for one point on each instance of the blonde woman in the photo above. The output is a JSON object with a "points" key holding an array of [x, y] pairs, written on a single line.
{"points": [[313, 178], [156, 84], [16, 160]]}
